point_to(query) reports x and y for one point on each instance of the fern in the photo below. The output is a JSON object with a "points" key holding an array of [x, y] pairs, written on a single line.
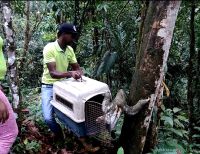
{"points": [[164, 151], [169, 147]]}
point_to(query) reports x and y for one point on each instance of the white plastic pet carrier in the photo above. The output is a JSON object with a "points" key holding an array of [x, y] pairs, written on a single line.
{"points": [[80, 101]]}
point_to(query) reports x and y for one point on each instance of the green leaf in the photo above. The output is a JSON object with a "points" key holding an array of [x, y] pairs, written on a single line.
{"points": [[175, 109], [167, 120], [174, 144], [103, 7], [197, 128], [178, 123], [108, 61], [163, 107], [182, 118], [25, 141], [120, 151], [177, 132], [168, 110], [111, 61], [196, 136]]}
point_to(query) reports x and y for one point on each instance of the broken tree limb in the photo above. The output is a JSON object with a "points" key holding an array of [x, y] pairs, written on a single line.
{"points": [[113, 109]]}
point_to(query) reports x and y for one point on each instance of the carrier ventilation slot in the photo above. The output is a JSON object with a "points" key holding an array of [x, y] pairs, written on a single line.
{"points": [[64, 102]]}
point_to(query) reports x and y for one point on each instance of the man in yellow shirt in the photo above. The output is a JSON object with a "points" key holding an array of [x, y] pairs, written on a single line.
{"points": [[57, 56]]}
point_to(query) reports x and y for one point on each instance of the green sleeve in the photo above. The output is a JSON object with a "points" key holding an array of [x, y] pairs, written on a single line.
{"points": [[48, 55]]}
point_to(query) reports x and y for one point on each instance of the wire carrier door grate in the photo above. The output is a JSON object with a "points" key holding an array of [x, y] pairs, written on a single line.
{"points": [[99, 130]]}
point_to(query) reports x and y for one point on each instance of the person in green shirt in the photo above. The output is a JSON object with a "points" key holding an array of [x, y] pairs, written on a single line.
{"points": [[3, 67], [57, 56]]}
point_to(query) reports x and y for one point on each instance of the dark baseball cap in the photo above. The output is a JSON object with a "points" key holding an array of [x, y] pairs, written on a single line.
{"points": [[67, 28]]}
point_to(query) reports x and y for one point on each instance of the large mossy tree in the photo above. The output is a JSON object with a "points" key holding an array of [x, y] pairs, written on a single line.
{"points": [[156, 36]]}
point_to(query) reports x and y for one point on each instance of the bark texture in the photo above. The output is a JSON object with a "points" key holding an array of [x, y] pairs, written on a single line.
{"points": [[147, 79], [11, 50], [151, 138]]}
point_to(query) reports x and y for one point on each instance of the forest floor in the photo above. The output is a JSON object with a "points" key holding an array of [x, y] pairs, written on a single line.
{"points": [[35, 137]]}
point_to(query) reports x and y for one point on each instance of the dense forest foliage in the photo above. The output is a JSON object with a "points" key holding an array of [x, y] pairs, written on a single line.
{"points": [[106, 47]]}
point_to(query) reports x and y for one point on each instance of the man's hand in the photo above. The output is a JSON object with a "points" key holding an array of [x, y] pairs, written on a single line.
{"points": [[75, 74], [4, 114]]}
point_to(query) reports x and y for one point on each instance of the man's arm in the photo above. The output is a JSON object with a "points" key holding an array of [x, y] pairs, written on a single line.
{"points": [[58, 75], [76, 67]]}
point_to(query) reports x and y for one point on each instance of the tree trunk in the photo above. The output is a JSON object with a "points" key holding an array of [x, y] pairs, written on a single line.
{"points": [[27, 38], [29, 31], [198, 80], [143, 16], [95, 38], [151, 61], [76, 12], [191, 74], [151, 139], [11, 49], [80, 23]]}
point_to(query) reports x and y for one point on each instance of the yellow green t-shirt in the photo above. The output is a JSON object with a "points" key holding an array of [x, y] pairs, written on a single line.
{"points": [[53, 53], [3, 67]]}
